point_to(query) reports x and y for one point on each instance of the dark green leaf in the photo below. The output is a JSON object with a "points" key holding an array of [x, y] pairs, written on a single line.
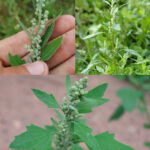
{"points": [[147, 144], [118, 113], [34, 138], [48, 99], [97, 92], [48, 34], [129, 98], [68, 84], [84, 132], [50, 49], [34, 4], [107, 142], [15, 60], [86, 105], [147, 126]]}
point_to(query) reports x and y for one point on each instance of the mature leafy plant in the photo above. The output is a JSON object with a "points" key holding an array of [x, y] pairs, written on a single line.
{"points": [[134, 98], [113, 37], [71, 129], [39, 48]]}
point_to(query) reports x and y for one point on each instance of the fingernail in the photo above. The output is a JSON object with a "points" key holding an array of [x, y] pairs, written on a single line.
{"points": [[36, 68]]}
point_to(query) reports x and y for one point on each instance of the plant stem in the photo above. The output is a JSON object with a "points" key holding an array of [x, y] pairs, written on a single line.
{"points": [[111, 33]]}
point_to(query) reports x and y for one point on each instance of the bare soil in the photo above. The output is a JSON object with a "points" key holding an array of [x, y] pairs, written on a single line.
{"points": [[19, 107]]}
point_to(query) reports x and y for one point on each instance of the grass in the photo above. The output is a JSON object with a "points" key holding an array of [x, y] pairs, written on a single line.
{"points": [[9, 9], [113, 37]]}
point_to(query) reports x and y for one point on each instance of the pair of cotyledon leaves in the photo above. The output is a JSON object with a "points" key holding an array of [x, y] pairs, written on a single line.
{"points": [[36, 138], [47, 50]]}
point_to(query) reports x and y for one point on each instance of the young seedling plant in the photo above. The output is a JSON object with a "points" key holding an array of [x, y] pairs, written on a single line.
{"points": [[39, 34], [71, 130], [134, 98]]}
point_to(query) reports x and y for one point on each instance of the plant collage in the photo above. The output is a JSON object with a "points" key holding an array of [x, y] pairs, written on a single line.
{"points": [[75, 75]]}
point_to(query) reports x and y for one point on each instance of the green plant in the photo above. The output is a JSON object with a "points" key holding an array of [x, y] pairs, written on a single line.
{"points": [[112, 38], [39, 48], [71, 129], [134, 98]]}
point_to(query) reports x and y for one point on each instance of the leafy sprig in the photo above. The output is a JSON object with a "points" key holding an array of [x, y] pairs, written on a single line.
{"points": [[39, 49], [71, 129]]}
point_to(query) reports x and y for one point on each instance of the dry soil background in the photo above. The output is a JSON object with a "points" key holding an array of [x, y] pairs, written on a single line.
{"points": [[19, 107]]}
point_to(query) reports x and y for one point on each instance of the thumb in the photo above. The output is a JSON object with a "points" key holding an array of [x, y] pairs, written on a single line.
{"points": [[36, 68]]}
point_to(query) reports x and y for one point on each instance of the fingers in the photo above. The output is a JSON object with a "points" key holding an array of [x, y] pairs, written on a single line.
{"points": [[15, 44], [66, 50], [67, 67], [37, 68], [62, 25]]}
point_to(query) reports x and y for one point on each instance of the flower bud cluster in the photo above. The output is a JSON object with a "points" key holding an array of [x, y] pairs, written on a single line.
{"points": [[71, 113], [61, 136], [36, 40], [77, 91]]}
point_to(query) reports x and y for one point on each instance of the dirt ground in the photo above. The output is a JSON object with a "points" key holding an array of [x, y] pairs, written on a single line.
{"points": [[19, 107]]}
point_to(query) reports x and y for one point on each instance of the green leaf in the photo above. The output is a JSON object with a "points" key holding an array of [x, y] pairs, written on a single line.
{"points": [[55, 123], [24, 28], [84, 132], [97, 92], [50, 49], [118, 113], [68, 84], [107, 142], [48, 99], [59, 115], [48, 34], [76, 147], [34, 138], [129, 98], [86, 105], [34, 4], [147, 144], [147, 126], [15, 60]]}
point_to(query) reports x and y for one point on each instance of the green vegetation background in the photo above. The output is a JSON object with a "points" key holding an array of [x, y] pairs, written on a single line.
{"points": [[9, 9], [131, 36]]}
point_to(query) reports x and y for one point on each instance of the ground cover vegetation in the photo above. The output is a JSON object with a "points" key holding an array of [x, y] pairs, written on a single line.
{"points": [[113, 37]]}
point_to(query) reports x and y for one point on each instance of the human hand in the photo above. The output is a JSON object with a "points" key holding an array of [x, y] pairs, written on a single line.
{"points": [[62, 62]]}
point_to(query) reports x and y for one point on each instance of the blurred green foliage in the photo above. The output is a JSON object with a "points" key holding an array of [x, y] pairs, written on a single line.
{"points": [[120, 48], [10, 8], [134, 97]]}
